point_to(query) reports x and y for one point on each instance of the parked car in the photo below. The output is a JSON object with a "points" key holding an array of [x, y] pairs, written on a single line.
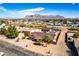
{"points": [[1, 53]]}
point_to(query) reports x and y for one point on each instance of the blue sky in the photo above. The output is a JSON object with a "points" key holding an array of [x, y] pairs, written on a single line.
{"points": [[16, 10]]}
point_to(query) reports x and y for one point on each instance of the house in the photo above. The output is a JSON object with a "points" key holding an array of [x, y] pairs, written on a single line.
{"points": [[1, 26], [37, 35], [45, 29], [41, 35], [24, 29]]}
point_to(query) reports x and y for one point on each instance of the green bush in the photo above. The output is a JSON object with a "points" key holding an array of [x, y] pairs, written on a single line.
{"points": [[2, 31], [39, 40], [47, 39], [22, 25], [55, 28], [76, 35], [11, 32], [27, 34], [73, 28]]}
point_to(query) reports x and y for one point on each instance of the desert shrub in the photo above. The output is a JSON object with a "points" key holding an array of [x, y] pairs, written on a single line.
{"points": [[22, 25], [55, 28], [73, 28], [11, 32], [47, 39], [77, 49], [39, 40], [26, 34], [37, 43], [76, 35], [2, 31], [23, 37]]}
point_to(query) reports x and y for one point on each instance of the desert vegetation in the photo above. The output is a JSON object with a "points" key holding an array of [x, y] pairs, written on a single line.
{"points": [[46, 40], [73, 28], [10, 32], [76, 35]]}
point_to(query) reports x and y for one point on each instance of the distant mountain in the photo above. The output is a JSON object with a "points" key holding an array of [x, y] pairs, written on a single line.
{"points": [[38, 16]]}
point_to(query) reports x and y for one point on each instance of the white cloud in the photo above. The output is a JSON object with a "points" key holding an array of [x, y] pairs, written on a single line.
{"points": [[19, 13], [29, 11], [32, 10]]}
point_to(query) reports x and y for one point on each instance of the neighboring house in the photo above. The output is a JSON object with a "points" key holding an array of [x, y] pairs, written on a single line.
{"points": [[45, 29], [77, 25], [28, 29], [1, 26], [58, 23], [69, 23]]}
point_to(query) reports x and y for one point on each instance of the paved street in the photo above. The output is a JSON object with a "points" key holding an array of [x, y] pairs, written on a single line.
{"points": [[10, 52]]}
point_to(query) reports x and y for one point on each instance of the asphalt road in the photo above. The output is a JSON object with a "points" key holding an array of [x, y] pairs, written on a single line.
{"points": [[10, 52]]}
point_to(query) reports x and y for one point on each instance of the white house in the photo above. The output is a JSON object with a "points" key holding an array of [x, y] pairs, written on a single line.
{"points": [[1, 26]]}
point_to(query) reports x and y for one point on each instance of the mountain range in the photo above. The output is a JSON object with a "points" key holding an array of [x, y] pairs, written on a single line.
{"points": [[38, 16]]}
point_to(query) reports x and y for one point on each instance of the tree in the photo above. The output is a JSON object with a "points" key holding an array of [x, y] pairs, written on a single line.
{"points": [[11, 32]]}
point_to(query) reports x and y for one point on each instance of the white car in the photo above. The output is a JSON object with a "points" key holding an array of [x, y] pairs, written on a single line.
{"points": [[1, 53]]}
